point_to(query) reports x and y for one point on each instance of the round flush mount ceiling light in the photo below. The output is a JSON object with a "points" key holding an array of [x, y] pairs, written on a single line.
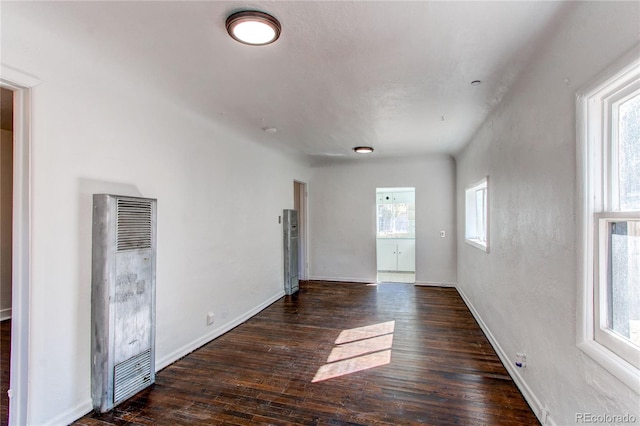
{"points": [[253, 27], [363, 149], [476, 83]]}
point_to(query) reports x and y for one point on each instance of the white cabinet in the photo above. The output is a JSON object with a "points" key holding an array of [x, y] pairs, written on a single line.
{"points": [[387, 254], [396, 254], [407, 255]]}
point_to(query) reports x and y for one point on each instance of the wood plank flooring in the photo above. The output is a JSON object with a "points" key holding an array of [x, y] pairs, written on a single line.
{"points": [[5, 360], [387, 354]]}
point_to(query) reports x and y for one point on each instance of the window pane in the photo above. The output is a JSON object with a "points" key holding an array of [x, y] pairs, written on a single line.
{"points": [[385, 218], [624, 280], [629, 154], [401, 216], [481, 223]]}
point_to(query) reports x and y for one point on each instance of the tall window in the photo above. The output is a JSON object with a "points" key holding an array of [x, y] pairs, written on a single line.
{"points": [[477, 215], [609, 114]]}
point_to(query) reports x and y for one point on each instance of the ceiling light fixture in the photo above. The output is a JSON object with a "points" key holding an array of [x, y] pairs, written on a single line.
{"points": [[476, 83], [363, 149], [253, 27]]}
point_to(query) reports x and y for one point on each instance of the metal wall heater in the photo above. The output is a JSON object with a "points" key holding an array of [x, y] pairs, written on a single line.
{"points": [[290, 228], [122, 298]]}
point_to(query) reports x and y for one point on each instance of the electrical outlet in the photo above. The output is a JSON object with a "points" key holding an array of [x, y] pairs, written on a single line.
{"points": [[443, 234], [544, 416], [211, 318], [521, 360]]}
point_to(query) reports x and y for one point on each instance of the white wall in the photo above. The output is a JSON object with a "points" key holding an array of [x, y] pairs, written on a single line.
{"points": [[525, 289], [98, 128], [342, 207], [6, 185]]}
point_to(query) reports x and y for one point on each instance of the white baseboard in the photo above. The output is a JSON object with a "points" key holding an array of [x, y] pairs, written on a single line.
{"points": [[435, 284], [533, 401], [72, 414], [85, 407], [192, 346], [366, 281], [5, 314], [342, 279]]}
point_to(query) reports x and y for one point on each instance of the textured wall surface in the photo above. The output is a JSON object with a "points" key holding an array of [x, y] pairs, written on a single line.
{"points": [[97, 128], [525, 289]]}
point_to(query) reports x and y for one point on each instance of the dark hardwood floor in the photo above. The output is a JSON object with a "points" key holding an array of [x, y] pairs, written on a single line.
{"points": [[5, 360], [338, 354]]}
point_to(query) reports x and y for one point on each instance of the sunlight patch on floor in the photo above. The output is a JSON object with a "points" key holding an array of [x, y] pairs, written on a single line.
{"points": [[358, 349], [365, 332]]}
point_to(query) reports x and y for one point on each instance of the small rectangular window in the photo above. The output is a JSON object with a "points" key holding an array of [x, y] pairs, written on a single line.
{"points": [[477, 215], [396, 212]]}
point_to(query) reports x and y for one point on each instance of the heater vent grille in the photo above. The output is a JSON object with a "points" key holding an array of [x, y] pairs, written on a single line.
{"points": [[134, 224], [131, 376]]}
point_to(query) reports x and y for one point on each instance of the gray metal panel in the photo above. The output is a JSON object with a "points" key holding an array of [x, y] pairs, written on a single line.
{"points": [[103, 273], [123, 295], [290, 234]]}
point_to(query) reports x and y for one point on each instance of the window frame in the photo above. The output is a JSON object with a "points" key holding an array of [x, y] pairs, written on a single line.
{"points": [[597, 205], [471, 234]]}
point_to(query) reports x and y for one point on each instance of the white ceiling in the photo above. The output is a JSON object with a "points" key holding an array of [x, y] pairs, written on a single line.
{"points": [[390, 74]]}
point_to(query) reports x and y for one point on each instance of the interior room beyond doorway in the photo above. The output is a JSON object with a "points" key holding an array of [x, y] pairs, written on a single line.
{"points": [[396, 234]]}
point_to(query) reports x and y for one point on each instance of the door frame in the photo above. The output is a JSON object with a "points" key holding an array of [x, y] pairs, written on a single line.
{"points": [[20, 84], [300, 195]]}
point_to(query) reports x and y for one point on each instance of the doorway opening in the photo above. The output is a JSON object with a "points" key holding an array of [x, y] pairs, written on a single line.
{"points": [[6, 246], [300, 205], [396, 234]]}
